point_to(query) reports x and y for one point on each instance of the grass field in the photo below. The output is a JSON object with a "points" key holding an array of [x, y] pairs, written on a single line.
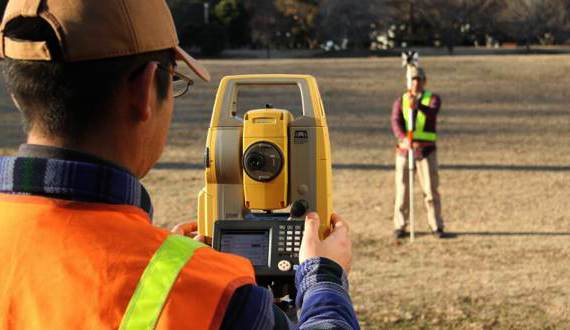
{"points": [[504, 154]]}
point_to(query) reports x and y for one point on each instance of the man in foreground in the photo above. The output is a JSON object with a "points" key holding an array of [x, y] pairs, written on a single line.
{"points": [[425, 106], [95, 82]]}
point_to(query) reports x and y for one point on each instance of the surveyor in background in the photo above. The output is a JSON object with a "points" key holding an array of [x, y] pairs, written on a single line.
{"points": [[95, 81], [426, 106]]}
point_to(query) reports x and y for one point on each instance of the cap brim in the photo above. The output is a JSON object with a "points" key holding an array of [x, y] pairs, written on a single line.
{"points": [[192, 63]]}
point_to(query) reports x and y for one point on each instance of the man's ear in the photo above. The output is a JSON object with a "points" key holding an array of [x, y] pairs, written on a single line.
{"points": [[142, 91]]}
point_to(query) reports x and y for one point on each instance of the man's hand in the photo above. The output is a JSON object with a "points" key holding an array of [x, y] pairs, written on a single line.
{"points": [[413, 102], [404, 144], [337, 246], [189, 229]]}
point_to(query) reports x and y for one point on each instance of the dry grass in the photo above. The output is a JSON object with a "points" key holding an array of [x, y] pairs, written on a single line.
{"points": [[505, 170]]}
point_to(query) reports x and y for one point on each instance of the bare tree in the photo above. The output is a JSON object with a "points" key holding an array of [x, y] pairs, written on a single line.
{"points": [[303, 14], [531, 20], [445, 21], [450, 19], [264, 19], [405, 14], [341, 19]]}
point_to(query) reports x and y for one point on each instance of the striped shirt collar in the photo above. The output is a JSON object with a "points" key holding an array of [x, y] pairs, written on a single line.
{"points": [[79, 180]]}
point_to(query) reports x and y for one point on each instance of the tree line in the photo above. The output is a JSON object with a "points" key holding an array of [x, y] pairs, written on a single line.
{"points": [[213, 25], [369, 24]]}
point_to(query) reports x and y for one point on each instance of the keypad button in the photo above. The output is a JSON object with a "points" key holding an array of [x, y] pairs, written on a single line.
{"points": [[289, 232], [280, 249], [282, 227], [288, 249], [297, 232], [297, 227], [296, 249], [289, 243], [289, 238], [297, 243], [284, 265]]}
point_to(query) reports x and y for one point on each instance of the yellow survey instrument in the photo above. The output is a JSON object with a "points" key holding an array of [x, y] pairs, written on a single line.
{"points": [[267, 163]]}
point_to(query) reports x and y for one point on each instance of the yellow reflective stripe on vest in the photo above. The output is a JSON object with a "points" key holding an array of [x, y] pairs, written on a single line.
{"points": [[157, 280], [420, 118]]}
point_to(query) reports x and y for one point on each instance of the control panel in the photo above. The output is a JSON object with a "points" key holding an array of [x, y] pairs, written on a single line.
{"points": [[272, 245]]}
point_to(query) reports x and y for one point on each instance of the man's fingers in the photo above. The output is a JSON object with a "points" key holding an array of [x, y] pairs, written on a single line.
{"points": [[338, 221], [192, 226], [334, 219], [200, 238], [341, 224], [178, 229], [311, 224], [340, 227], [185, 228]]}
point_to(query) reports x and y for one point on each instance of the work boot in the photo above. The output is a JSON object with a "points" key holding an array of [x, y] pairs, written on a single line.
{"points": [[439, 233], [400, 233]]}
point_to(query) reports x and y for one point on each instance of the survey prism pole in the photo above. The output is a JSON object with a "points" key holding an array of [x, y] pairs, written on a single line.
{"points": [[410, 59], [411, 164]]}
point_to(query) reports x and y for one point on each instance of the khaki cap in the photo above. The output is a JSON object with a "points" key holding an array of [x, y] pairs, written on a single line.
{"points": [[416, 72], [97, 29]]}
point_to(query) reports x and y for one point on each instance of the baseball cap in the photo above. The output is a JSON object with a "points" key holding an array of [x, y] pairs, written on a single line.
{"points": [[416, 72], [97, 29]]}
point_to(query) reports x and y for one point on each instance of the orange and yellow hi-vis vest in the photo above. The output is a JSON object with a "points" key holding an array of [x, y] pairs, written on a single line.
{"points": [[76, 265]]}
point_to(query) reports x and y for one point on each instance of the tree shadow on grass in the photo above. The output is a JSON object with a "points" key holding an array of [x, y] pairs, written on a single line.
{"points": [[510, 233], [457, 234], [463, 167], [388, 167], [420, 234]]}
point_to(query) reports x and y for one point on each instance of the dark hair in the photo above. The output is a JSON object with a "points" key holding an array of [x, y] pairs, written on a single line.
{"points": [[67, 99]]}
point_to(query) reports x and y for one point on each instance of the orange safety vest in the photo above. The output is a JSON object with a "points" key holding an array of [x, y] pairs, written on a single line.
{"points": [[75, 265]]}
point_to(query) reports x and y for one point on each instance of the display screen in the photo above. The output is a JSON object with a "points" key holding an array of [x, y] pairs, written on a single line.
{"points": [[253, 245]]}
